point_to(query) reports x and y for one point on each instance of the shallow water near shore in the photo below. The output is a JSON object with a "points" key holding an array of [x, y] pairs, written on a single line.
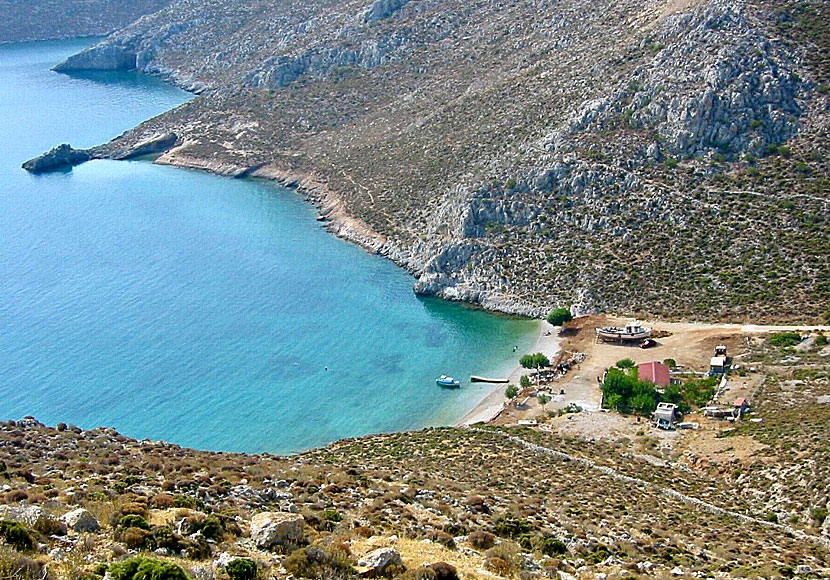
{"points": [[206, 311]]}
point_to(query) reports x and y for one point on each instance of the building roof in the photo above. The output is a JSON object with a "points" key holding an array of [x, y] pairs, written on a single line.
{"points": [[654, 371], [718, 361], [740, 402]]}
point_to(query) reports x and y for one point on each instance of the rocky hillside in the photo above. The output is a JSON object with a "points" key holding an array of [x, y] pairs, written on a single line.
{"points": [[748, 499], [665, 157], [24, 20]]}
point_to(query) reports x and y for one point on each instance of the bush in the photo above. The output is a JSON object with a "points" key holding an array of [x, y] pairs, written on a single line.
{"points": [[14, 565], [442, 538], [821, 340], [785, 339], [444, 571], [524, 381], [819, 515], [316, 563], [482, 540], [503, 559], [625, 363], [511, 391], [146, 569], [242, 569], [560, 316], [420, 573], [133, 521], [136, 539], [508, 526], [670, 362], [212, 528], [16, 535], [551, 546]]}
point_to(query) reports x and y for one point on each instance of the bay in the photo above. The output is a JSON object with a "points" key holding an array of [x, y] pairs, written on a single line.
{"points": [[210, 312]]}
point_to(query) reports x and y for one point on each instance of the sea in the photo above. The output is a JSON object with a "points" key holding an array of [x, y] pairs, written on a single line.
{"points": [[210, 312]]}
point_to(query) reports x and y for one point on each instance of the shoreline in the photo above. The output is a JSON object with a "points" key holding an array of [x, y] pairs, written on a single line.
{"points": [[489, 406]]}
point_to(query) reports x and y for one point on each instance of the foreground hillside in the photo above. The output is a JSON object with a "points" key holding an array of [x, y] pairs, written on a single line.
{"points": [[24, 20], [506, 502], [655, 157]]}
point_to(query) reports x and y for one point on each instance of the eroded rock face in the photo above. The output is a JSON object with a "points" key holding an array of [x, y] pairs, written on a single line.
{"points": [[269, 529], [81, 520], [100, 57], [60, 157]]}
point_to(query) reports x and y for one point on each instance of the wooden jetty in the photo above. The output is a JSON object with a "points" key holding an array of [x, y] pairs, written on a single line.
{"points": [[478, 379]]}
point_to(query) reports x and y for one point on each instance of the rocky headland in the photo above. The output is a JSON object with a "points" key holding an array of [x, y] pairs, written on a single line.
{"points": [[664, 159]]}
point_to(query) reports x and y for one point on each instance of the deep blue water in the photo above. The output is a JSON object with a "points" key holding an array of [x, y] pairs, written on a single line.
{"points": [[202, 310]]}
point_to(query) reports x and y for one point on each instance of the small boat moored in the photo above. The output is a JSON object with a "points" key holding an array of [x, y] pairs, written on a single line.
{"points": [[445, 381]]}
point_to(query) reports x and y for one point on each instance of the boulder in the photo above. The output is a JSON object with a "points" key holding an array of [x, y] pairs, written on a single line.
{"points": [[61, 157], [273, 528], [27, 515], [34, 517], [81, 520], [152, 146], [377, 562]]}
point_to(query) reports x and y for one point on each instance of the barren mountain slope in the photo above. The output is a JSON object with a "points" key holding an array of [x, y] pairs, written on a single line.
{"points": [[24, 20], [660, 157]]}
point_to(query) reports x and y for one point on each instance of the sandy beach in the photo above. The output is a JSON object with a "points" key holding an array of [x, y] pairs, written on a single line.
{"points": [[547, 343]]}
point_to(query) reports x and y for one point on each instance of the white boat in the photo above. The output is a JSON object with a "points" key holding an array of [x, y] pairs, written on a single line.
{"points": [[631, 331], [445, 381]]}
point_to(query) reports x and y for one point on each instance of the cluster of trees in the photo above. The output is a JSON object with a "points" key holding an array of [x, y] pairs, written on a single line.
{"points": [[624, 391]]}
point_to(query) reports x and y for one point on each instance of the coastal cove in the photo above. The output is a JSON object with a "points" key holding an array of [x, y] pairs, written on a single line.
{"points": [[211, 312]]}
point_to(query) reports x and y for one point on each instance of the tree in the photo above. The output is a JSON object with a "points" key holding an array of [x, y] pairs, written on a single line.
{"points": [[511, 391], [560, 316], [524, 381], [534, 361], [625, 363]]}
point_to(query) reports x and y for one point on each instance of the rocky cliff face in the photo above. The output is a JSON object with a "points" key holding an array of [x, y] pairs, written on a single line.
{"points": [[666, 158]]}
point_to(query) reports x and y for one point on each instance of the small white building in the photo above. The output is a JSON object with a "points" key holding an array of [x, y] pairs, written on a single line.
{"points": [[665, 415], [717, 365]]}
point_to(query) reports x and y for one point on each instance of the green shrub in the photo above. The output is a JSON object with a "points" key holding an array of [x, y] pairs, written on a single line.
{"points": [[242, 569], [146, 569], [560, 316], [524, 381], [819, 515], [670, 362], [16, 535], [133, 521], [212, 528], [784, 339], [508, 526], [551, 546], [511, 391], [821, 340], [625, 363]]}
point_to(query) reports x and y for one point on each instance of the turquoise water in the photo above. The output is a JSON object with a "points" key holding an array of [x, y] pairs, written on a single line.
{"points": [[202, 310]]}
